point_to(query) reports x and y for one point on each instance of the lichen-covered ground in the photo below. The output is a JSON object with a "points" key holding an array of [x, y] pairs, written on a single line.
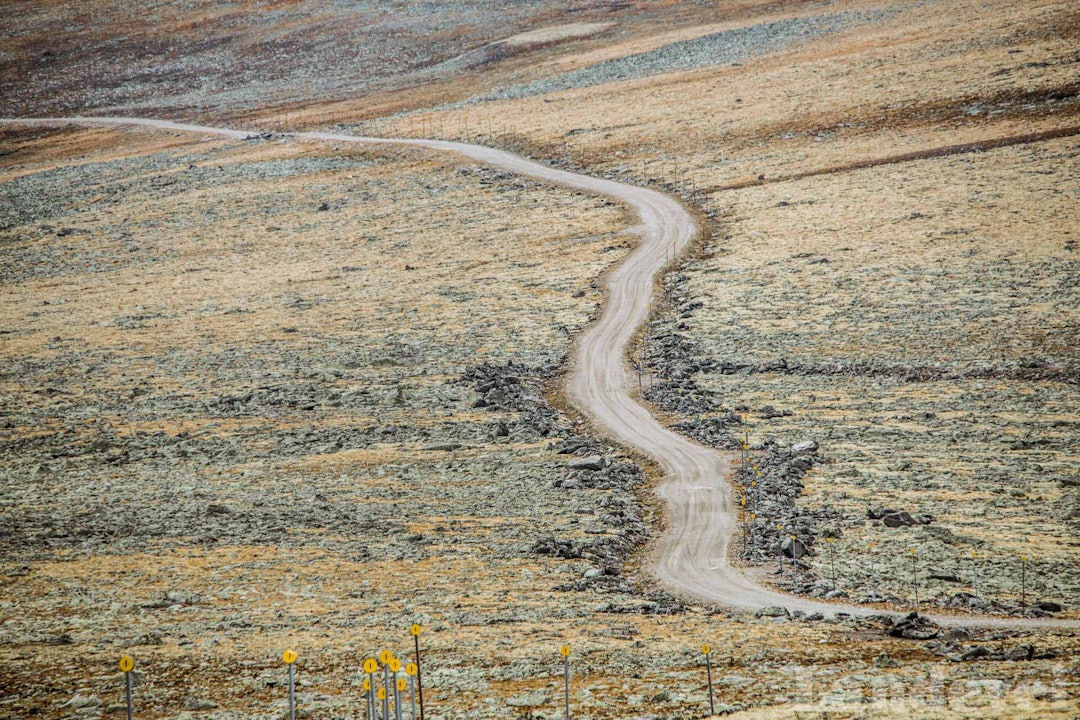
{"points": [[920, 325], [238, 415]]}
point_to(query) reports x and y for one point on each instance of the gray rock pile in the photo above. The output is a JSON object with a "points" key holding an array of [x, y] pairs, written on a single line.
{"points": [[591, 466]]}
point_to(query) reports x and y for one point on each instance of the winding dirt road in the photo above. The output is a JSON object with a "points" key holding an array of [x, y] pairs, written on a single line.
{"points": [[692, 556]]}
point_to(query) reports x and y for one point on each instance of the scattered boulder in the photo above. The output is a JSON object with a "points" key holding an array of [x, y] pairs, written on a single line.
{"points": [[878, 512], [915, 627], [182, 597], [974, 653], [898, 519], [593, 462], [794, 548], [773, 611], [1048, 606], [559, 548], [806, 446], [884, 661], [1021, 652], [442, 447], [150, 638], [944, 577], [82, 701]]}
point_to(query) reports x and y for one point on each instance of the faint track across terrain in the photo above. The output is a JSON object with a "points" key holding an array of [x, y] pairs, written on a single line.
{"points": [[692, 557]]}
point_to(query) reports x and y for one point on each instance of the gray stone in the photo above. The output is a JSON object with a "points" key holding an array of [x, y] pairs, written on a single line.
{"points": [[82, 701], [914, 627], [773, 611], [794, 548], [884, 661], [182, 597], [898, 519], [803, 447], [1021, 652], [593, 462], [974, 653]]}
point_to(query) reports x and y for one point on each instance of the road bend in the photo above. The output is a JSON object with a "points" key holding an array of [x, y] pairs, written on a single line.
{"points": [[692, 558]]}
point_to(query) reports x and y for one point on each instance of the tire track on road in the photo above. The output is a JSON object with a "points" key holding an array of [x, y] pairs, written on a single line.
{"points": [[692, 557]]}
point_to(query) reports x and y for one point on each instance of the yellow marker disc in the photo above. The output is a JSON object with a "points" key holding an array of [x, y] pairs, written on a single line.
{"points": [[830, 540], [912, 551], [402, 683], [411, 669], [288, 657], [381, 693], [127, 663], [1023, 558], [972, 553], [367, 684], [565, 651], [385, 657], [706, 649], [394, 664], [415, 630], [370, 666]]}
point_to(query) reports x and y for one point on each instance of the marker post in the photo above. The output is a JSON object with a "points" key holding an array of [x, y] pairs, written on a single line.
{"points": [[411, 670], [289, 658], [565, 652], [708, 674], [127, 664], [415, 631], [915, 577], [794, 562], [399, 685], [371, 666], [832, 565], [385, 657], [780, 550], [1023, 581]]}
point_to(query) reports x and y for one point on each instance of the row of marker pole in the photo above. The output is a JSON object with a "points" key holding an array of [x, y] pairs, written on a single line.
{"points": [[373, 695], [390, 664]]}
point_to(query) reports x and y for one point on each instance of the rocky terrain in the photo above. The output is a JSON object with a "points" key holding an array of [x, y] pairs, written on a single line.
{"points": [[933, 365], [271, 394], [207, 58]]}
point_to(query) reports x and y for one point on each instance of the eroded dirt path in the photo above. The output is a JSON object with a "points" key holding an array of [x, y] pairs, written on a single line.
{"points": [[691, 558]]}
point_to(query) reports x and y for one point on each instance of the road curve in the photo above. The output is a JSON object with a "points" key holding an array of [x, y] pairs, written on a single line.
{"points": [[691, 558]]}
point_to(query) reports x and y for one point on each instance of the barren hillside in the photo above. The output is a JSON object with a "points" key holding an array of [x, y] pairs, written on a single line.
{"points": [[265, 394]]}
